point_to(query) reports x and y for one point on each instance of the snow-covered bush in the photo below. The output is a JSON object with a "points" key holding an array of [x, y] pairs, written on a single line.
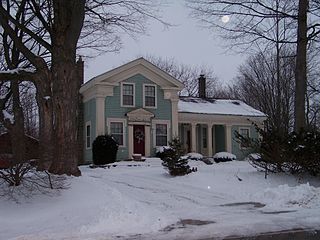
{"points": [[174, 161], [160, 151], [104, 150], [195, 156], [224, 157]]}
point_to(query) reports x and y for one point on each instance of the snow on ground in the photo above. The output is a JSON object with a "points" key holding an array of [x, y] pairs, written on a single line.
{"points": [[139, 200]]}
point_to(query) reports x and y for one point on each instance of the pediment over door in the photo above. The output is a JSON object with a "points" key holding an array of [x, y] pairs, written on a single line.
{"points": [[140, 115]]}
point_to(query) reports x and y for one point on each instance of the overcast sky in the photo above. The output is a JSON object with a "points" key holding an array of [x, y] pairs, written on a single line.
{"points": [[187, 42]]}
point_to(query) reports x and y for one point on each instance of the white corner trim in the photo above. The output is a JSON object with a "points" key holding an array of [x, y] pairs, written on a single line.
{"points": [[134, 94], [144, 95], [154, 123], [124, 124]]}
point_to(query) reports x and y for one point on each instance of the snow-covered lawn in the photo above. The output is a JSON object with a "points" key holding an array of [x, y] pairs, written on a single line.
{"points": [[125, 201]]}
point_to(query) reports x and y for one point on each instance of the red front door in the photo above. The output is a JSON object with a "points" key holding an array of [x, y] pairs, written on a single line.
{"points": [[138, 139]]}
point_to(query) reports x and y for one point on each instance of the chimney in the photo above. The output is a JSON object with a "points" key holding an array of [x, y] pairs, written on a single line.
{"points": [[202, 86]]}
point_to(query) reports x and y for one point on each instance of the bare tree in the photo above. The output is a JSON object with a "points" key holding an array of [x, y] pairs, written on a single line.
{"points": [[257, 23], [188, 75], [256, 86], [51, 32]]}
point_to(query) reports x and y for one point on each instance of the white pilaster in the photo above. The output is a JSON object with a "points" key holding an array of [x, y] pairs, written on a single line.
{"points": [[130, 141], [193, 137], [228, 138], [100, 116], [174, 114], [147, 140]]}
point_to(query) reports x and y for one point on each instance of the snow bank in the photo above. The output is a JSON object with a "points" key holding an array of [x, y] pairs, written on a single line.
{"points": [[283, 196]]}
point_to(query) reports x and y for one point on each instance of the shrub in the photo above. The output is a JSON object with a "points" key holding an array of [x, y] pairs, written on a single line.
{"points": [[224, 157], [160, 151], [174, 162], [104, 150], [293, 152]]}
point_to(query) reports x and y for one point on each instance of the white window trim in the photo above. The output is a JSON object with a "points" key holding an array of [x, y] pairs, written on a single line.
{"points": [[124, 124], [88, 123], [154, 123], [240, 128], [144, 95], [134, 94]]}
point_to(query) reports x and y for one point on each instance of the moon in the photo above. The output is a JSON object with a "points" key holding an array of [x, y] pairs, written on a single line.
{"points": [[225, 19]]}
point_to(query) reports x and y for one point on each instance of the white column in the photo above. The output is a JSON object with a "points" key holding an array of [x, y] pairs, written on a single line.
{"points": [[174, 114], [228, 138], [130, 141], [209, 142], [193, 137], [100, 116], [147, 140]]}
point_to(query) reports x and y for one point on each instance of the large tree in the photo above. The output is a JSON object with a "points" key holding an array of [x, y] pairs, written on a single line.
{"points": [[55, 27]]}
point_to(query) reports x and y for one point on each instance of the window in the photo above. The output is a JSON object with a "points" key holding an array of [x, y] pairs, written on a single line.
{"points": [[161, 134], [149, 96], [116, 130], [244, 132], [128, 94], [88, 135]]}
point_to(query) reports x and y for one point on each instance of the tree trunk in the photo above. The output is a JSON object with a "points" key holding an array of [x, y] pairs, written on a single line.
{"points": [[65, 75], [66, 115], [301, 67], [45, 106]]}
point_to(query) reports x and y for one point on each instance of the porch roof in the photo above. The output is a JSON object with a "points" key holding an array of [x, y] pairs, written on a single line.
{"points": [[217, 106]]}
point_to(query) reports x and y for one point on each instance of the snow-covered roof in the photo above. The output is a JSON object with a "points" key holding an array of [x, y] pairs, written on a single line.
{"points": [[217, 106]]}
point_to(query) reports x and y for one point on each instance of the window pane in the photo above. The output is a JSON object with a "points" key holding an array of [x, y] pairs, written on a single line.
{"points": [[88, 131], [127, 94], [116, 130], [150, 101], [127, 89], [161, 135], [150, 96], [245, 133], [150, 91], [88, 136], [161, 129], [127, 100]]}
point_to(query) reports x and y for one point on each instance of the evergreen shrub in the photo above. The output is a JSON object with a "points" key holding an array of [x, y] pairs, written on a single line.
{"points": [[286, 152], [104, 150], [174, 161]]}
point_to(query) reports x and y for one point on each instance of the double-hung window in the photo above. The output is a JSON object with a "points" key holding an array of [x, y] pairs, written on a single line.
{"points": [[244, 132], [88, 135], [128, 94], [161, 134], [116, 130], [150, 98]]}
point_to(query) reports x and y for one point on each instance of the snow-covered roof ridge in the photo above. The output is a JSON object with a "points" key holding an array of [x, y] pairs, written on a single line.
{"points": [[217, 106]]}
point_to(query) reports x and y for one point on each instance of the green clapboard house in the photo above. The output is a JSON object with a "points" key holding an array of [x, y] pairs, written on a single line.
{"points": [[139, 105]]}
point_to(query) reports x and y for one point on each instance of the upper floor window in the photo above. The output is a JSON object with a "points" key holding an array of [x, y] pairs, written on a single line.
{"points": [[128, 95], [150, 97]]}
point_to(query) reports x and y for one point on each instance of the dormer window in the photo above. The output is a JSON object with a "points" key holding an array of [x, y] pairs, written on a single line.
{"points": [[127, 96], [150, 96]]}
